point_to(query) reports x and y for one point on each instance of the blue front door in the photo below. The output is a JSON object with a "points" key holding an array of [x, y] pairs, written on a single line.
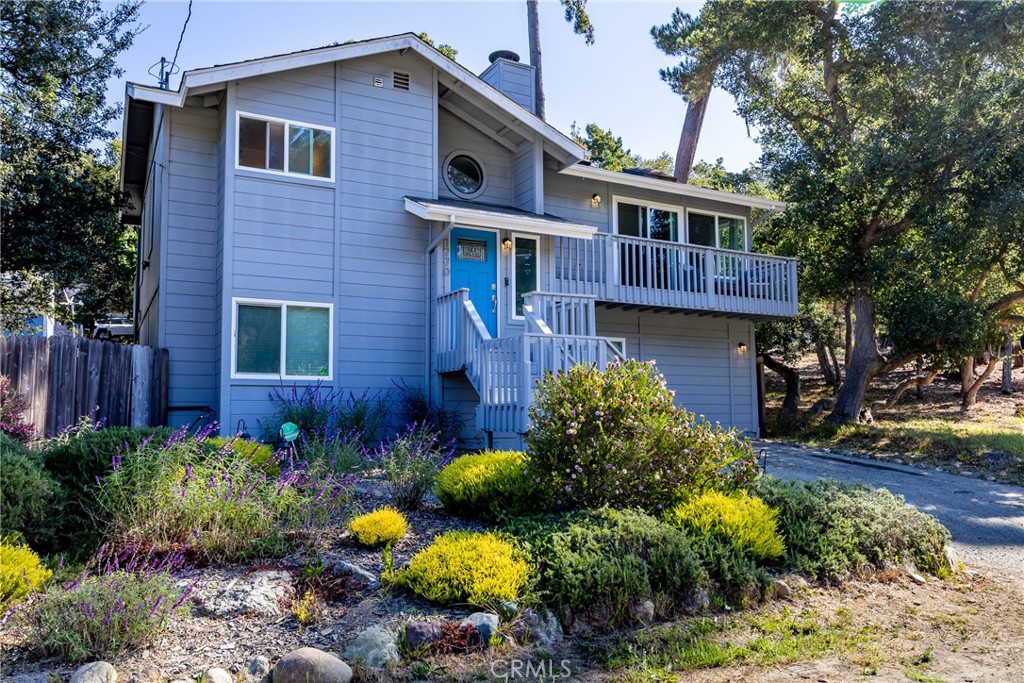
{"points": [[475, 267]]}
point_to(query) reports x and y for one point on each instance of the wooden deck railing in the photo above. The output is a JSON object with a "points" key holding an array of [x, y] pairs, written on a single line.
{"points": [[645, 272]]}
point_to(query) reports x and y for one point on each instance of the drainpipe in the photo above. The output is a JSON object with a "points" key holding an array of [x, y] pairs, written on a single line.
{"points": [[428, 379]]}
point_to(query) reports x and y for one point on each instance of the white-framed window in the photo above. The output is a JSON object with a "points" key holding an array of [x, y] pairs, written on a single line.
{"points": [[619, 344], [285, 147], [716, 230], [464, 174], [525, 269], [273, 339], [639, 218]]}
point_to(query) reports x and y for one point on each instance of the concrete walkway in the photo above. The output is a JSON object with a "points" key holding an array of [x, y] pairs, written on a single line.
{"points": [[986, 519]]}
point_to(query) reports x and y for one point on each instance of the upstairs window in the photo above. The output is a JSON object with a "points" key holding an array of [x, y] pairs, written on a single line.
{"points": [[651, 222], [282, 340], [710, 230], [285, 147]]}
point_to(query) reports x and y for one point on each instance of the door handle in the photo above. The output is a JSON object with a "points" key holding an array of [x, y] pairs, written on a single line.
{"points": [[494, 303]]}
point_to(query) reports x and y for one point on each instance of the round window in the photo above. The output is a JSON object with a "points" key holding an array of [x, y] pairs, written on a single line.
{"points": [[464, 175]]}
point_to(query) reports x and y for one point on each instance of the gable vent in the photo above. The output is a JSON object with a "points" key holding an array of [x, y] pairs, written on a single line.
{"points": [[400, 80]]}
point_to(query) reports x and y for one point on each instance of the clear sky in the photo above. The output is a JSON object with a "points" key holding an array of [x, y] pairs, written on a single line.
{"points": [[613, 83]]}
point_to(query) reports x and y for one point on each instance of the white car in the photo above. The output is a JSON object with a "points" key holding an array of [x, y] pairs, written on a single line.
{"points": [[113, 328]]}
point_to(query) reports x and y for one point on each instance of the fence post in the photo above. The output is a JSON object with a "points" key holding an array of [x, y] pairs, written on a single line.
{"points": [[142, 375]]}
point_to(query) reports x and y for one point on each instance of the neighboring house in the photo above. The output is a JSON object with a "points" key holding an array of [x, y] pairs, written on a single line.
{"points": [[372, 213]]}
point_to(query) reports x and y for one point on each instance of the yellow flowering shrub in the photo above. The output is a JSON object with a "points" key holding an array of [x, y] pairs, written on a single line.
{"points": [[20, 572], [485, 484], [383, 525], [466, 567], [746, 520]]}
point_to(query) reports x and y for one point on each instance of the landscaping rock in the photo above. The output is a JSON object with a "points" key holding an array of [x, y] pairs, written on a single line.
{"points": [[374, 647], [310, 665], [643, 612], [29, 678], [700, 602], [781, 589], [362, 574], [262, 593], [257, 669], [218, 675], [541, 628], [798, 581], [485, 623], [952, 560], [917, 578], [95, 672], [420, 633]]}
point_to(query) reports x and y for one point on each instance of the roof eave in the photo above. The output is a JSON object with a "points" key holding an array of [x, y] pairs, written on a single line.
{"points": [[488, 219]]}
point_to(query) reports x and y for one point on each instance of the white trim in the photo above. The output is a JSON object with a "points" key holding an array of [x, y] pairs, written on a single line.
{"points": [[679, 210], [479, 164], [718, 240], [473, 218], [286, 123], [512, 269], [621, 341], [283, 305], [681, 189], [570, 151]]}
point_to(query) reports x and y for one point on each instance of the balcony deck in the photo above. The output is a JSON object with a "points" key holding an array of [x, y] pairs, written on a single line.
{"points": [[633, 271]]}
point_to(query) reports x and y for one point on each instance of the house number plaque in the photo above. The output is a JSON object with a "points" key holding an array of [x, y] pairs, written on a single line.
{"points": [[472, 250]]}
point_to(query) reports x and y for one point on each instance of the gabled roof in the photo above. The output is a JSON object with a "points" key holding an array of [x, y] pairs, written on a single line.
{"points": [[211, 79]]}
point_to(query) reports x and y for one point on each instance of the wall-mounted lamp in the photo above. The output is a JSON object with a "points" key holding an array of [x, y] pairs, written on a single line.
{"points": [[595, 200], [741, 347], [506, 245]]}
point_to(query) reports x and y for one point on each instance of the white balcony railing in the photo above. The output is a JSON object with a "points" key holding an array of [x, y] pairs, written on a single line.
{"points": [[645, 272]]}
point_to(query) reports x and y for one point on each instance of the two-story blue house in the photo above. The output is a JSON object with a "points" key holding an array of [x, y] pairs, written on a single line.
{"points": [[374, 212]]}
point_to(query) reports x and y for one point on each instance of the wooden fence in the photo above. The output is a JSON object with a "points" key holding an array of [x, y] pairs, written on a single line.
{"points": [[67, 378]]}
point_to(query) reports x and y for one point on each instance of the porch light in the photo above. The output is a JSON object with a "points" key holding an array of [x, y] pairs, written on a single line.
{"points": [[506, 245], [742, 347], [595, 200]]}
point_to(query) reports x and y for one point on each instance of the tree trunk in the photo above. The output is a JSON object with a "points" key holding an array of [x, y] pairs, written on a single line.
{"points": [[971, 395], [690, 135], [863, 362], [791, 403], [831, 349], [966, 376], [848, 334], [919, 381], [1008, 365], [533, 29], [831, 379]]}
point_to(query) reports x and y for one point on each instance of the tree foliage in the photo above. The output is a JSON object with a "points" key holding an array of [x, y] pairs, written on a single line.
{"points": [[58, 171], [606, 150], [895, 135], [444, 48]]}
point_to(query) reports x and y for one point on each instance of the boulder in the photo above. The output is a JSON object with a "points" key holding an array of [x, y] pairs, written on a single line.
{"points": [[310, 665], [538, 627], [217, 675], [261, 593], [257, 669], [421, 633], [95, 672], [374, 648], [486, 625], [359, 573], [781, 590], [643, 612]]}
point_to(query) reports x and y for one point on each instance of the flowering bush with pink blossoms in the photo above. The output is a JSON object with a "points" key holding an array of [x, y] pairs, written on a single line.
{"points": [[614, 437], [12, 409]]}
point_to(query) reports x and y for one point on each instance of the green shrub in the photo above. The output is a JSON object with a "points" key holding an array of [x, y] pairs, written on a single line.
{"points": [[465, 567], [77, 460], [260, 455], [21, 572], [835, 530], [97, 617], [735, 576], [30, 499], [606, 561], [383, 525], [485, 484], [410, 463], [739, 517], [615, 438], [218, 504]]}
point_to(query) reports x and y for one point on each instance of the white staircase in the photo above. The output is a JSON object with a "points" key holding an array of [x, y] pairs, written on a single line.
{"points": [[560, 333]]}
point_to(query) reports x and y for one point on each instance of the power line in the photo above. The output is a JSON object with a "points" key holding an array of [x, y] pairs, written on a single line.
{"points": [[181, 37]]}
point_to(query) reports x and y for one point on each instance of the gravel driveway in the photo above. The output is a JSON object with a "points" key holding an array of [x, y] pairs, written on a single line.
{"points": [[986, 519]]}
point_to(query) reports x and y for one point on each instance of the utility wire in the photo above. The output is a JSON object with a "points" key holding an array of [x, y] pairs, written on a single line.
{"points": [[180, 38]]}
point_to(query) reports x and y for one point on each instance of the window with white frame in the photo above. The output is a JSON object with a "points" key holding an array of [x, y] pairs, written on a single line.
{"points": [[282, 339], [716, 230], [651, 221], [282, 146], [524, 270]]}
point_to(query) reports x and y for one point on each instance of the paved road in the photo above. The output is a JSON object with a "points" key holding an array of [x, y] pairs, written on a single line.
{"points": [[986, 519]]}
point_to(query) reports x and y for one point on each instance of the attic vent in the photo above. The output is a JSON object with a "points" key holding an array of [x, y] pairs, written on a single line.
{"points": [[400, 80]]}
